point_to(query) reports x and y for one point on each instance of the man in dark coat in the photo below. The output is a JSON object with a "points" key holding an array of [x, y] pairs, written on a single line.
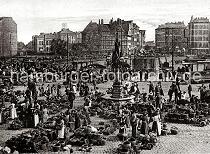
{"points": [[86, 90], [151, 87], [77, 121], [71, 97], [170, 93], [134, 124], [190, 90], [144, 126]]}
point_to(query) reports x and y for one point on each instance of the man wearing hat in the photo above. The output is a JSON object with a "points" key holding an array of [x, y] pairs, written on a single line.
{"points": [[71, 97], [134, 124], [151, 88]]}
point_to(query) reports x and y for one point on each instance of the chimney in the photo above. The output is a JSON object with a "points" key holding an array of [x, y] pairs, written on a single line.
{"points": [[111, 21], [102, 21], [99, 21]]}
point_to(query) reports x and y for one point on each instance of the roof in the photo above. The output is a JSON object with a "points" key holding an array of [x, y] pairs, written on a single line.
{"points": [[46, 35], [65, 30], [5, 18], [105, 27], [90, 27], [173, 25], [111, 27], [199, 20]]}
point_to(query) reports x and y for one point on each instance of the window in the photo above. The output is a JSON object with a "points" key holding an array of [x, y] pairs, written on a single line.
{"points": [[40, 49], [40, 42]]}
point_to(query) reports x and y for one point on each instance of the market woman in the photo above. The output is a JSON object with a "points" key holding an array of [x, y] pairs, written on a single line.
{"points": [[44, 114], [144, 125], [156, 126], [60, 126], [13, 111]]}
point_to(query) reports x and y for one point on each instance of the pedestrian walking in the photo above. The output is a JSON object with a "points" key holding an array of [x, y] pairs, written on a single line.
{"points": [[190, 90], [71, 97]]}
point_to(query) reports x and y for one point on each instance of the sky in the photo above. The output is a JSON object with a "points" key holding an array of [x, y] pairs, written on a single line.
{"points": [[36, 16]]}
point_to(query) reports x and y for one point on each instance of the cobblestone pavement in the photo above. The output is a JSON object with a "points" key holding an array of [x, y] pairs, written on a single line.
{"points": [[190, 140]]}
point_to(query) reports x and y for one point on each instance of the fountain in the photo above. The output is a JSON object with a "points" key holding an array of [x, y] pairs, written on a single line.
{"points": [[117, 94]]}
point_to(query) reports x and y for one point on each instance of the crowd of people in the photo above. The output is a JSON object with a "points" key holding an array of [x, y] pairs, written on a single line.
{"points": [[26, 107]]}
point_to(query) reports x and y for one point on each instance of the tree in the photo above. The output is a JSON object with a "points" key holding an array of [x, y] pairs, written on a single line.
{"points": [[78, 49], [20, 46], [59, 47]]}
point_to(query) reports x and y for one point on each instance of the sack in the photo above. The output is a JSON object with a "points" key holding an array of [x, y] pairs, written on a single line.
{"points": [[58, 127], [174, 130]]}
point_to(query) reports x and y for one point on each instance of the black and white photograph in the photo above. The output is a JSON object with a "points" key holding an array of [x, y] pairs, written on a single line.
{"points": [[105, 76]]}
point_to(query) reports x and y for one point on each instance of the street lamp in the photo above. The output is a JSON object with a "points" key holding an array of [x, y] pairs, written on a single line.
{"points": [[67, 47]]}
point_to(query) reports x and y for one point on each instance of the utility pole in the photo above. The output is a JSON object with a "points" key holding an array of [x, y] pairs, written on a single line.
{"points": [[10, 43], [67, 47], [44, 47], [121, 29], [173, 48], [44, 43], [2, 35]]}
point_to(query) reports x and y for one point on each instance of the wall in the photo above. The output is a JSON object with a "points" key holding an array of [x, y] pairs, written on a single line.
{"points": [[8, 30]]}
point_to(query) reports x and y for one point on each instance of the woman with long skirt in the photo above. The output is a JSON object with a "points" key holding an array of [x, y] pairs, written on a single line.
{"points": [[156, 127]]}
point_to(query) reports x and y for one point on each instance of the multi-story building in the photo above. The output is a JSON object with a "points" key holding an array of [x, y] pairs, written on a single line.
{"points": [[42, 42], [73, 37], [199, 36], [78, 37], [91, 36], [8, 37], [102, 36], [170, 35]]}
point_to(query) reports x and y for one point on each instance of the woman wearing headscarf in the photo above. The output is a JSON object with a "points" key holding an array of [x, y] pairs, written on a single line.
{"points": [[13, 111], [156, 127], [60, 126], [44, 114], [36, 113]]}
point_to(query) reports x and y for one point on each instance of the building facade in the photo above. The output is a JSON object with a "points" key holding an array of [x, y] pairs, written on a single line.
{"points": [[73, 37], [102, 36], [199, 36], [171, 35], [8, 37], [42, 42]]}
